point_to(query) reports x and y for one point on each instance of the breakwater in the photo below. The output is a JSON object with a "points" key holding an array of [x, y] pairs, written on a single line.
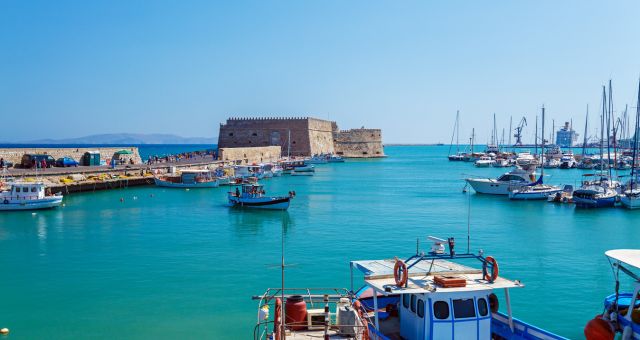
{"points": [[14, 155]]}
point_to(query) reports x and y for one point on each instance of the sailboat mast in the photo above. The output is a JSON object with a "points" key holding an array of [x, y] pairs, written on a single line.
{"points": [[535, 138], [510, 129], [457, 132], [635, 141], [473, 136], [584, 143], [542, 161], [609, 114], [604, 106]]}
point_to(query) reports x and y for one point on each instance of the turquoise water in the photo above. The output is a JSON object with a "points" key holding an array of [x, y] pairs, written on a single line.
{"points": [[180, 264]]}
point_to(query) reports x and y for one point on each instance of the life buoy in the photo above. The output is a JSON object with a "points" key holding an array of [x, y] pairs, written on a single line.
{"points": [[6, 201], [494, 269], [400, 273], [276, 319], [494, 305]]}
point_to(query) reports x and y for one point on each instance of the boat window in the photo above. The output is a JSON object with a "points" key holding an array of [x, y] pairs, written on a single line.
{"points": [[33, 189], [405, 300], [413, 303], [420, 308], [464, 308], [17, 189], [441, 310], [482, 307]]}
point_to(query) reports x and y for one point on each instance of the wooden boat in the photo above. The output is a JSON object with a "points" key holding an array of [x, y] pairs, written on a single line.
{"points": [[188, 178], [28, 196], [253, 196]]}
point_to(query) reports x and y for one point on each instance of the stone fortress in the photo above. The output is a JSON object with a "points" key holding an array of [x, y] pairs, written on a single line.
{"points": [[300, 136]]}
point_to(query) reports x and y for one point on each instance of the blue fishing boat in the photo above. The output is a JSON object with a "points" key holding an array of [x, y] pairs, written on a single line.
{"points": [[616, 318], [425, 296], [253, 196]]}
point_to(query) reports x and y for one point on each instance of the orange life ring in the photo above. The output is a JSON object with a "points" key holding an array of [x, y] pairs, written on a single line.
{"points": [[276, 319], [494, 269], [598, 329], [400, 273]]}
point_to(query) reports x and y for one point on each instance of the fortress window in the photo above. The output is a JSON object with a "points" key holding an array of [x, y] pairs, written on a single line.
{"points": [[365, 153], [254, 134], [230, 134], [293, 142]]}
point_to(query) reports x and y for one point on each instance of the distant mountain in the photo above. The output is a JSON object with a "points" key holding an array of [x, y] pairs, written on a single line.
{"points": [[129, 139]]}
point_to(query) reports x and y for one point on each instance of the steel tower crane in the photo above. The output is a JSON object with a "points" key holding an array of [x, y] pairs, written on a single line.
{"points": [[518, 129]]}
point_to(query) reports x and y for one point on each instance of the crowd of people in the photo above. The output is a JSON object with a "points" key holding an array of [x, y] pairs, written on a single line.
{"points": [[200, 155]]}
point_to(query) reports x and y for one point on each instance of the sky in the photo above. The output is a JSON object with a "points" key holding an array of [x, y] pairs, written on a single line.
{"points": [[75, 68]]}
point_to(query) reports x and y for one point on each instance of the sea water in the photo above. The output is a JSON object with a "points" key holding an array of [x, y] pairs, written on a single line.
{"points": [[175, 263]]}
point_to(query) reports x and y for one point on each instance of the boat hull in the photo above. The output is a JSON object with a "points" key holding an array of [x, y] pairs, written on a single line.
{"points": [[45, 203], [167, 184], [581, 202], [630, 202], [532, 195], [490, 186], [270, 203]]}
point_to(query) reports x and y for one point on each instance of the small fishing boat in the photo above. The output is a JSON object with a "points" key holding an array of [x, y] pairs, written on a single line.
{"points": [[501, 185], [253, 196], [188, 178], [598, 193], [564, 196], [428, 295], [484, 162], [616, 321], [288, 166], [307, 170], [458, 157], [28, 196]]}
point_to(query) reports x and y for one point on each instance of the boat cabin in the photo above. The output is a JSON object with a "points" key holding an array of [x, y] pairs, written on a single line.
{"points": [[25, 191], [192, 176], [251, 190]]}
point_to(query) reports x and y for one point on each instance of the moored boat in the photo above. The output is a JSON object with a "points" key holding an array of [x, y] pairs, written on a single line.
{"points": [[598, 193], [501, 185], [425, 296], [28, 196], [616, 321], [188, 178], [253, 196], [484, 162]]}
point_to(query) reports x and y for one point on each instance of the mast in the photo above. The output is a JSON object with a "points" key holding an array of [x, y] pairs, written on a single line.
{"points": [[473, 135], [584, 143], [535, 138], [609, 114], [635, 142], [542, 167], [455, 128], [604, 106], [457, 132], [494, 135]]}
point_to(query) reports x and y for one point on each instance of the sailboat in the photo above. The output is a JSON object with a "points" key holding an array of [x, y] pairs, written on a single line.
{"points": [[458, 156], [537, 190], [600, 192], [630, 198]]}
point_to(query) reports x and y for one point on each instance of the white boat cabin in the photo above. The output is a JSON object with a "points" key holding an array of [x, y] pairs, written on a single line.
{"points": [[24, 191]]}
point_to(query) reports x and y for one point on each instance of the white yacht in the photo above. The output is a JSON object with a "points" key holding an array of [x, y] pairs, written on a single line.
{"points": [[28, 196], [568, 161], [501, 185], [484, 162]]}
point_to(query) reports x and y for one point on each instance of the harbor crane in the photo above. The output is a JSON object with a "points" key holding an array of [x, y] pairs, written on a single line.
{"points": [[518, 129]]}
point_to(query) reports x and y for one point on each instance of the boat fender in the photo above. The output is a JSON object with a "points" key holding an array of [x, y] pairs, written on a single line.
{"points": [[599, 329], [4, 331], [6, 201], [400, 273], [494, 305], [276, 319], [494, 269]]}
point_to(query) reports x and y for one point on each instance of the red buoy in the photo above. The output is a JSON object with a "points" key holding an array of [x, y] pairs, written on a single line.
{"points": [[598, 329], [295, 312]]}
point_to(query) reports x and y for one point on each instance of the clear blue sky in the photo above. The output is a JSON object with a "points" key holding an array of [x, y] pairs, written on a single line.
{"points": [[73, 68]]}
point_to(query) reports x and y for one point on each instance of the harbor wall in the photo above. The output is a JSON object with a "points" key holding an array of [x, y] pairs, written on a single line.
{"points": [[359, 143], [307, 136], [14, 155], [250, 155]]}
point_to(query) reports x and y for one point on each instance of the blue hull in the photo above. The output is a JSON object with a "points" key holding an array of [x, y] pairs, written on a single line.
{"points": [[594, 203]]}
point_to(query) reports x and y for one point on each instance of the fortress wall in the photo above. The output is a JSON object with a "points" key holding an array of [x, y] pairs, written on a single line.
{"points": [[359, 143], [14, 155], [250, 155], [321, 136]]}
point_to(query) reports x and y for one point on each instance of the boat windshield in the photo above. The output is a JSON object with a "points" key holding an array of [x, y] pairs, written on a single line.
{"points": [[510, 178]]}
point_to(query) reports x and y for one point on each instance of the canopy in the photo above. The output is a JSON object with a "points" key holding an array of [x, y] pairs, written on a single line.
{"points": [[628, 256], [124, 152]]}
